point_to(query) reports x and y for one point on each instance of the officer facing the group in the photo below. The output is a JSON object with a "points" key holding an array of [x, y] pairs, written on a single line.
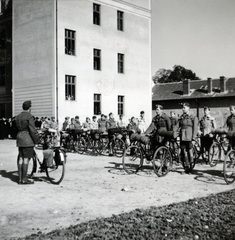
{"points": [[188, 131], [26, 139], [161, 123], [230, 124]]}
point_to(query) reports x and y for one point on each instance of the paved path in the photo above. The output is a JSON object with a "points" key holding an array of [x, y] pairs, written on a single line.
{"points": [[92, 188]]}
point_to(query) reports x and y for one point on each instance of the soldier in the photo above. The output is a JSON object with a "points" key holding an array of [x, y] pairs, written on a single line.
{"points": [[26, 140], [141, 122], [161, 123], [174, 120], [206, 125], [188, 131], [230, 124]]}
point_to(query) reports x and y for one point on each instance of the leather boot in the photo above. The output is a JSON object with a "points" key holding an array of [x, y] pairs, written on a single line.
{"points": [[20, 171], [25, 180]]}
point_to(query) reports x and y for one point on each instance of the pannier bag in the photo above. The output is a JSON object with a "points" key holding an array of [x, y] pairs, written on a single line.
{"points": [[112, 131], [59, 156], [135, 137], [48, 155], [78, 131], [95, 134], [144, 139]]}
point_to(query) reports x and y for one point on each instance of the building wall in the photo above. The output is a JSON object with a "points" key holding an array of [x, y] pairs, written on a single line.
{"points": [[34, 56], [133, 42]]}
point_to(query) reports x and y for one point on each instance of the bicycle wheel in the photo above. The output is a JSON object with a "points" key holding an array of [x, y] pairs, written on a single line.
{"points": [[229, 167], [32, 167], [162, 161], [55, 173], [214, 154], [118, 147], [80, 145], [103, 146], [132, 159]]}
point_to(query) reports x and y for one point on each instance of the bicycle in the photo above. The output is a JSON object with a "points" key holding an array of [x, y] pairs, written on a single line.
{"points": [[142, 148], [229, 167], [55, 170], [220, 145]]}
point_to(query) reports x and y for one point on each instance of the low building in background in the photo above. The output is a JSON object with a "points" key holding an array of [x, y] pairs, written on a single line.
{"points": [[217, 94]]}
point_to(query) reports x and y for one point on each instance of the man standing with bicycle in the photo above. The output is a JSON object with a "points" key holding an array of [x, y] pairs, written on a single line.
{"points": [[26, 140], [188, 131]]}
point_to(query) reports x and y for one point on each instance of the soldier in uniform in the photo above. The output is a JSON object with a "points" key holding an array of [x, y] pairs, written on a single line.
{"points": [[188, 131], [110, 123], [230, 123], [141, 122], [206, 125], [26, 140], [174, 121], [161, 122]]}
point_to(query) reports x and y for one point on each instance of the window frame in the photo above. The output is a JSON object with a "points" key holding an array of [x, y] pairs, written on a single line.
{"points": [[121, 102], [120, 62], [70, 87], [70, 42], [96, 59], [120, 21], [97, 103], [96, 14]]}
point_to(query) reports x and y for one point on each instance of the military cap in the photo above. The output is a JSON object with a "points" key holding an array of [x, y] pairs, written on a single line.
{"points": [[159, 106], [26, 105], [185, 104]]}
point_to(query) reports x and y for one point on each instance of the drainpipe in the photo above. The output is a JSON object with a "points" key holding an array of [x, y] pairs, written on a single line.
{"points": [[57, 108]]}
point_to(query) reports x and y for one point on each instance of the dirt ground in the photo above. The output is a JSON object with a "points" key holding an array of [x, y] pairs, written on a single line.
{"points": [[92, 188]]}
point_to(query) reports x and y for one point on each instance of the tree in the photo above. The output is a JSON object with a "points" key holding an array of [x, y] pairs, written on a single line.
{"points": [[178, 74]]}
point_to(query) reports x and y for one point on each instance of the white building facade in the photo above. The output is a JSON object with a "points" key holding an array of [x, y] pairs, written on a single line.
{"points": [[82, 57]]}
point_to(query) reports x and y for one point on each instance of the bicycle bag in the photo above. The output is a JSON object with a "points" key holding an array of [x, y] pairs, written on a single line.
{"points": [[59, 156], [48, 157]]}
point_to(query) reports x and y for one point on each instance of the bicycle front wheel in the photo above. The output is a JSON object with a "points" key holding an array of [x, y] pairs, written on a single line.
{"points": [[118, 147], [55, 173], [214, 154], [132, 159], [162, 161], [229, 167]]}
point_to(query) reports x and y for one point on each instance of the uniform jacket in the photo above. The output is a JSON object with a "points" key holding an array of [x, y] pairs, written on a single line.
{"points": [[206, 124], [27, 135], [188, 127], [111, 123], [133, 127], [162, 122], [102, 125], [231, 123]]}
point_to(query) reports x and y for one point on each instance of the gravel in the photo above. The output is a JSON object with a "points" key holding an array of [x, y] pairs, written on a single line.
{"points": [[211, 217]]}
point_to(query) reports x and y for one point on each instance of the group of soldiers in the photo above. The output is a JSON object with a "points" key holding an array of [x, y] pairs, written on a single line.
{"points": [[189, 127]]}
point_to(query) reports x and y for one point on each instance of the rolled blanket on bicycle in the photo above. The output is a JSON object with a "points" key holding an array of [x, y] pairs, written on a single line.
{"points": [[48, 155], [95, 133], [219, 131], [168, 134], [52, 130], [144, 139], [230, 135], [112, 131], [79, 131], [135, 137]]}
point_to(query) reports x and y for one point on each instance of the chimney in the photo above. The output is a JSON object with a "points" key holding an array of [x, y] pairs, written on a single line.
{"points": [[186, 87], [209, 85], [222, 84]]}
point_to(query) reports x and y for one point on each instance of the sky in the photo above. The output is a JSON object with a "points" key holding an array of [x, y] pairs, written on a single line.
{"points": [[196, 34]]}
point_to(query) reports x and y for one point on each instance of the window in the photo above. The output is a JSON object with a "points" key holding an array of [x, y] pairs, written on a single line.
{"points": [[2, 76], [70, 87], [97, 59], [120, 63], [69, 42], [97, 104], [120, 105], [2, 110], [120, 20], [96, 14]]}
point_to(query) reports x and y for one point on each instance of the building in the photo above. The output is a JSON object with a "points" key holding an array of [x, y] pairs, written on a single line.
{"points": [[5, 59], [82, 57], [217, 94]]}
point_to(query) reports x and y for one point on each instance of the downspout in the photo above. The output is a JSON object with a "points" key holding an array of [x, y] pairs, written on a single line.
{"points": [[57, 108]]}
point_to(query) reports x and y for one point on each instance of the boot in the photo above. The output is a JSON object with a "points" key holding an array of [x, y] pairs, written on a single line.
{"points": [[20, 170], [191, 159], [25, 180]]}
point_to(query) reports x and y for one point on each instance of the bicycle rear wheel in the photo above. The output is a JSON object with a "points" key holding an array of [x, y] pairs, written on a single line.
{"points": [[132, 159], [229, 167], [80, 145], [118, 147], [55, 172], [162, 161], [214, 154]]}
